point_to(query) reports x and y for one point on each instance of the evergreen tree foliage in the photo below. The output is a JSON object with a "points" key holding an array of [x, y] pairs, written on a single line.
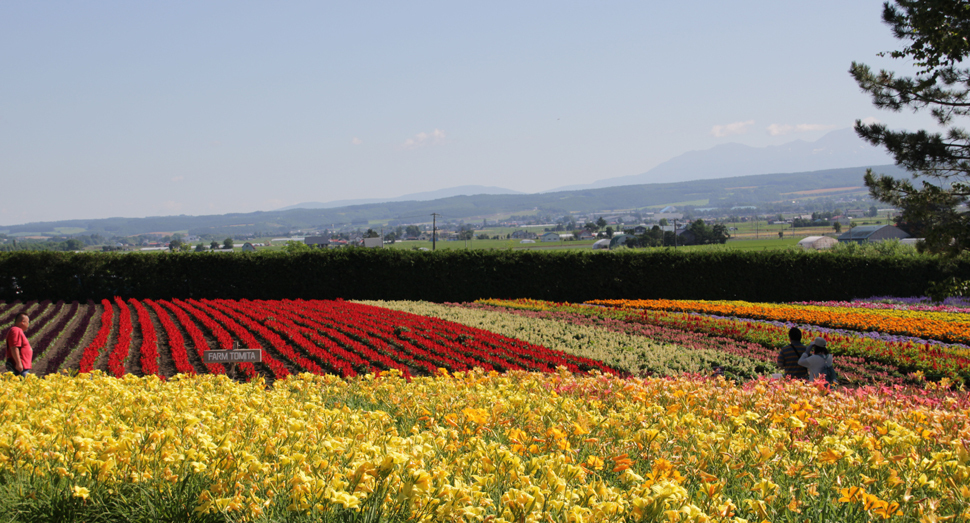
{"points": [[937, 34]]}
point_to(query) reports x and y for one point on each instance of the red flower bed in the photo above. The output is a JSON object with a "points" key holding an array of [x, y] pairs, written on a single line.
{"points": [[149, 342], [176, 343], [320, 337], [116, 360], [93, 349]]}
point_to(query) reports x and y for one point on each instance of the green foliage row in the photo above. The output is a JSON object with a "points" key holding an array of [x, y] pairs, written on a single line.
{"points": [[461, 275]]}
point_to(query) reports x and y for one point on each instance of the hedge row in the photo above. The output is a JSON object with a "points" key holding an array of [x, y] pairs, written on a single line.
{"points": [[455, 275]]}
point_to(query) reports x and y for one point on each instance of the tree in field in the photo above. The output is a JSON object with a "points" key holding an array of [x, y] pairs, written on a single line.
{"points": [[73, 244], [413, 231], [837, 226], [294, 247], [175, 245], [720, 234], [937, 38], [705, 234], [371, 233], [227, 243], [214, 245], [601, 222], [200, 247]]}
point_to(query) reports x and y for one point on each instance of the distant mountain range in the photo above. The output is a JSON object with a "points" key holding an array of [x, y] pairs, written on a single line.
{"points": [[780, 189], [464, 190], [837, 149], [724, 176]]}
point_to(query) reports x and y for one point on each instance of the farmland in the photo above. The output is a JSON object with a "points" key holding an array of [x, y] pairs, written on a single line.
{"points": [[630, 337], [168, 337], [497, 410]]}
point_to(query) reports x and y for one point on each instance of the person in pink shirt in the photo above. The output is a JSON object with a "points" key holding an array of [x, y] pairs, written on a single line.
{"points": [[19, 352]]}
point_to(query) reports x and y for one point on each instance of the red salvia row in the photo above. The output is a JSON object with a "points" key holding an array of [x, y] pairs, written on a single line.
{"points": [[245, 317], [324, 349], [345, 362], [516, 352], [246, 339], [195, 334], [116, 360], [149, 342], [176, 343], [93, 350], [222, 336]]}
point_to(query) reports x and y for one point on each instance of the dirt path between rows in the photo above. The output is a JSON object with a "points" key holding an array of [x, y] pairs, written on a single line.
{"points": [[166, 365], [62, 343]]}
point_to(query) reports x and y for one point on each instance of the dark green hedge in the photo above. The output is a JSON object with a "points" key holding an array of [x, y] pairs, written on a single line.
{"points": [[468, 275]]}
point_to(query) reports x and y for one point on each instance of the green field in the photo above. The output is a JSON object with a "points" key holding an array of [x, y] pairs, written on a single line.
{"points": [[494, 244]]}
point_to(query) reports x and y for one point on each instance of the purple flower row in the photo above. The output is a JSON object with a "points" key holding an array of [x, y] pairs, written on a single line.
{"points": [[958, 305], [878, 336]]}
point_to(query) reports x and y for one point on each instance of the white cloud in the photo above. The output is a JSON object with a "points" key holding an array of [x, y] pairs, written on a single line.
{"points": [[356, 141], [782, 129], [732, 128], [423, 139], [870, 121]]}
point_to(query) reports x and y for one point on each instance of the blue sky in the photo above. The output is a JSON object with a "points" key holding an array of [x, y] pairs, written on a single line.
{"points": [[160, 108]]}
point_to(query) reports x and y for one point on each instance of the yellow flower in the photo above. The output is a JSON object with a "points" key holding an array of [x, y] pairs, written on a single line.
{"points": [[80, 492]]}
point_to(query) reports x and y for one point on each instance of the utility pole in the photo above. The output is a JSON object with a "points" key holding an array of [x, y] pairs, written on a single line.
{"points": [[434, 229]]}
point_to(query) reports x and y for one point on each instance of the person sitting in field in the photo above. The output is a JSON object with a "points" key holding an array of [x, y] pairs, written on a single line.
{"points": [[820, 363], [789, 354]]}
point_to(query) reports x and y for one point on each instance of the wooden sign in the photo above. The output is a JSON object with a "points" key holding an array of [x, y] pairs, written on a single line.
{"points": [[233, 356]]}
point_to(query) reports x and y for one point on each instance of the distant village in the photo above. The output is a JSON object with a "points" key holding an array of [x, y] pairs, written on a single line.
{"points": [[666, 226]]}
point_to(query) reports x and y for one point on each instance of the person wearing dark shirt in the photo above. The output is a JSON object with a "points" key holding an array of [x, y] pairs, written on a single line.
{"points": [[789, 354]]}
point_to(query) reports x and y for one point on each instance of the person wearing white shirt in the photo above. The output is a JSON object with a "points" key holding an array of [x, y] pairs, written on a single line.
{"points": [[816, 362]]}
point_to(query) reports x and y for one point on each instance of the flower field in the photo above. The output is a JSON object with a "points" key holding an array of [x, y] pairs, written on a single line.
{"points": [[477, 446], [498, 411], [931, 325], [862, 356], [167, 337]]}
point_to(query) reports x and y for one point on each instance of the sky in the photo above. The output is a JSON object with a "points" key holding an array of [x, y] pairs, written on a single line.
{"points": [[162, 108]]}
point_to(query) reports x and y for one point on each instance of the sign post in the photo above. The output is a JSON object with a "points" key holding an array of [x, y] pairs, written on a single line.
{"points": [[233, 357]]}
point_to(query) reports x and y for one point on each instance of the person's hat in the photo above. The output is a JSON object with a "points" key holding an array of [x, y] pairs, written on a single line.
{"points": [[818, 342]]}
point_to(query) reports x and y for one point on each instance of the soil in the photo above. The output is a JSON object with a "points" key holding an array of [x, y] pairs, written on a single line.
{"points": [[43, 330], [166, 365], [6, 319], [133, 361], [42, 319], [72, 360]]}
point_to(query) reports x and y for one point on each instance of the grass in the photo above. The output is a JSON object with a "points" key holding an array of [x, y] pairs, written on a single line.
{"points": [[493, 244]]}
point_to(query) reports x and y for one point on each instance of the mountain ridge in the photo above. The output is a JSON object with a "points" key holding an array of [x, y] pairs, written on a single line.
{"points": [[837, 149], [723, 192], [462, 190]]}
